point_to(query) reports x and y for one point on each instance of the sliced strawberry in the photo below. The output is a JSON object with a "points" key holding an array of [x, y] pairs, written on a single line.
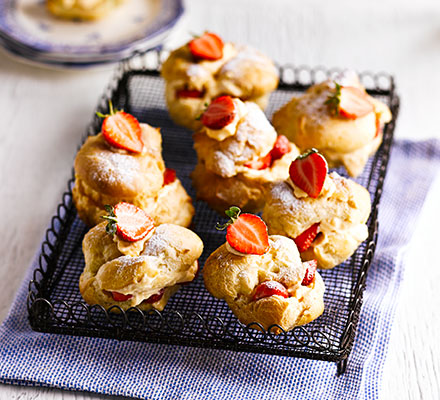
{"points": [[354, 103], [310, 272], [246, 233], [378, 126], [308, 172], [121, 297], [189, 93], [209, 46], [169, 176], [261, 163], [220, 112], [122, 130], [155, 297], [306, 238], [270, 288], [129, 222], [282, 146]]}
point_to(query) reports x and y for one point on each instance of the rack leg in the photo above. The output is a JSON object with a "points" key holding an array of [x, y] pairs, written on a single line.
{"points": [[342, 366]]}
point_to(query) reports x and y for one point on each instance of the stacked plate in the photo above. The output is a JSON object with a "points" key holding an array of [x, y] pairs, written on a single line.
{"points": [[29, 31]]}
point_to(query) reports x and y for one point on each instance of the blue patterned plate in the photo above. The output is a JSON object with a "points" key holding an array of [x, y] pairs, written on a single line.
{"points": [[30, 31]]}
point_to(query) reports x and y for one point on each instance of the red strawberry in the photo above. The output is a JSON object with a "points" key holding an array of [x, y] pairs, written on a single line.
{"points": [[306, 238], [282, 146], [261, 163], [219, 113], [121, 297], [209, 46], [270, 288], [189, 93], [378, 126], [155, 297], [122, 130], [129, 222], [310, 272], [354, 103], [246, 233], [169, 176], [308, 172]]}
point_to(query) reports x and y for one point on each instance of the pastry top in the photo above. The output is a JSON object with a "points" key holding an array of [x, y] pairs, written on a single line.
{"points": [[247, 138], [140, 269], [342, 205], [84, 9], [242, 72], [230, 276], [309, 122], [120, 173]]}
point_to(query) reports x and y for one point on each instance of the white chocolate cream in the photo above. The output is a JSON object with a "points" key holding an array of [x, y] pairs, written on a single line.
{"points": [[327, 189], [230, 129], [233, 251]]}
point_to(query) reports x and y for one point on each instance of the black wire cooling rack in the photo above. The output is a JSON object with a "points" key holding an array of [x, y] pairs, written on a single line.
{"points": [[193, 317]]}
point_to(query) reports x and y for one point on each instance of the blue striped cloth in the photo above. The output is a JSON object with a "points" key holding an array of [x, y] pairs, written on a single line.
{"points": [[170, 372]]}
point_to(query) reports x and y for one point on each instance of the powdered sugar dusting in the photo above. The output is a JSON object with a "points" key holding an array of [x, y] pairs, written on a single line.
{"points": [[249, 55], [114, 167]]}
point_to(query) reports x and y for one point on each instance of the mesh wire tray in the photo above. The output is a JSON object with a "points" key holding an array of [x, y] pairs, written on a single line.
{"points": [[193, 317]]}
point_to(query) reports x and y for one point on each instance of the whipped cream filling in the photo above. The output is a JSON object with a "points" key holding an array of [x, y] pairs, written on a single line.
{"points": [[233, 251], [230, 129], [132, 249], [327, 189]]}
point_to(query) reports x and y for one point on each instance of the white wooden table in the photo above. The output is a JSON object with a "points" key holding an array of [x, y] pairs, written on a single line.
{"points": [[44, 113]]}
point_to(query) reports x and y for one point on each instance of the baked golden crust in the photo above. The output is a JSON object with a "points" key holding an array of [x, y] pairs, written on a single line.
{"points": [[246, 190], [221, 177], [234, 278], [342, 211], [82, 9], [242, 72], [106, 175], [141, 269], [308, 122]]}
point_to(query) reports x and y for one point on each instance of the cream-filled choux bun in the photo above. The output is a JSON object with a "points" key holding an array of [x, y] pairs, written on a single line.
{"points": [[325, 214], [262, 278], [239, 153], [137, 264], [339, 119], [82, 9], [109, 168], [206, 68]]}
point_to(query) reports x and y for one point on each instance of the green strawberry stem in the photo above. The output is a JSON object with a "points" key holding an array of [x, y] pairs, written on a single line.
{"points": [[306, 153], [111, 218], [111, 109], [233, 214], [334, 100]]}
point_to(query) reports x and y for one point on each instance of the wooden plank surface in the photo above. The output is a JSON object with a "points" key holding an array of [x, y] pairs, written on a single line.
{"points": [[44, 114]]}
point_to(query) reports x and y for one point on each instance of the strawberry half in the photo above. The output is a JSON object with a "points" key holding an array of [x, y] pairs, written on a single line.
{"points": [[308, 172], [220, 112], [306, 238], [169, 176], [129, 222], [354, 103], [261, 163], [310, 272], [155, 297], [188, 93], [378, 127], [122, 130], [282, 146], [209, 46], [270, 288], [246, 233], [121, 297]]}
